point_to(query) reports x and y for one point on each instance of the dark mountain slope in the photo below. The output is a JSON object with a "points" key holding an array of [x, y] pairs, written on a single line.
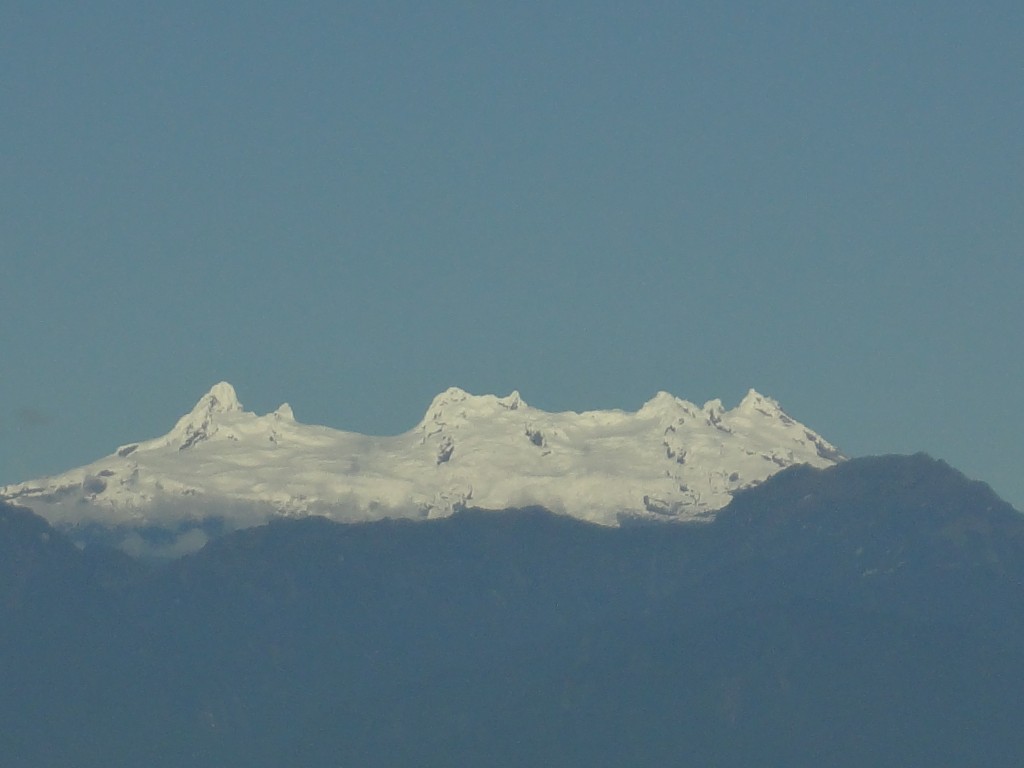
{"points": [[59, 608], [868, 614]]}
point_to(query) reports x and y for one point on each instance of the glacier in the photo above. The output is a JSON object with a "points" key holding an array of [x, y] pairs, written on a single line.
{"points": [[671, 461]]}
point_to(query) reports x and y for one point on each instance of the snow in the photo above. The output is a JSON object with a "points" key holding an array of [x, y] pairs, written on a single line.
{"points": [[671, 460]]}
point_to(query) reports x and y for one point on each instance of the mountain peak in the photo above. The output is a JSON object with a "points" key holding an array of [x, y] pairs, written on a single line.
{"points": [[198, 424], [755, 401], [661, 398], [665, 405], [455, 404], [221, 398], [752, 395]]}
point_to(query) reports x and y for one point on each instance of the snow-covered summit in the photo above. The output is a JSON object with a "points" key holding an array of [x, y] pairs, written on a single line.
{"points": [[670, 460], [200, 422], [456, 405]]}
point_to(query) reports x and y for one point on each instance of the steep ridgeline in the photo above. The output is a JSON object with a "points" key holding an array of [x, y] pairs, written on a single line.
{"points": [[671, 460]]}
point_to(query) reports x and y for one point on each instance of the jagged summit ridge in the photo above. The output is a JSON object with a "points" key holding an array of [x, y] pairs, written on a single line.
{"points": [[670, 460], [457, 405]]}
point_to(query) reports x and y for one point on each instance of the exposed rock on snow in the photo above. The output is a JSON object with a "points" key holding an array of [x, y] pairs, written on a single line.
{"points": [[671, 460]]}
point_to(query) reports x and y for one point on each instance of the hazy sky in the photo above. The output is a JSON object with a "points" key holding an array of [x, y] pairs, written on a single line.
{"points": [[352, 206]]}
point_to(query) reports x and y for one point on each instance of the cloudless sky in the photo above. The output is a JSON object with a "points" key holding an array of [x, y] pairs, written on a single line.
{"points": [[352, 206]]}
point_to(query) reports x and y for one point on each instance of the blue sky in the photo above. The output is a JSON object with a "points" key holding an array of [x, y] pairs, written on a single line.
{"points": [[352, 206]]}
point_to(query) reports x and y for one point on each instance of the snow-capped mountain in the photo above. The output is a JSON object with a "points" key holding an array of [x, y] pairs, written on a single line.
{"points": [[670, 460]]}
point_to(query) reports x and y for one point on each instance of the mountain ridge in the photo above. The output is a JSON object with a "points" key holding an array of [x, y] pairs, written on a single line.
{"points": [[669, 460], [777, 633]]}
